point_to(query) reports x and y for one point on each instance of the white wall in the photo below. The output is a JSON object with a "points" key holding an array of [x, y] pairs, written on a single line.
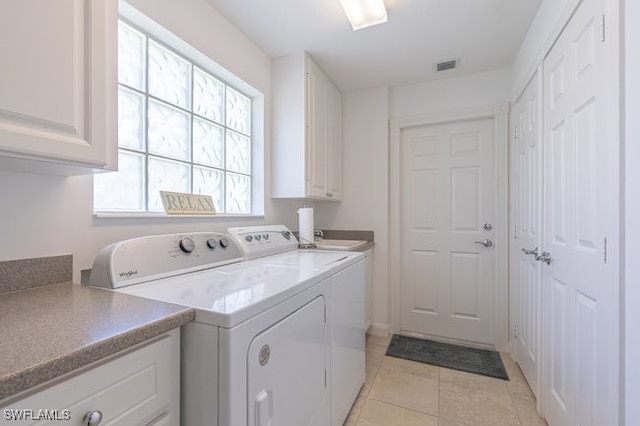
{"points": [[49, 215], [366, 117], [365, 186], [631, 239], [488, 88]]}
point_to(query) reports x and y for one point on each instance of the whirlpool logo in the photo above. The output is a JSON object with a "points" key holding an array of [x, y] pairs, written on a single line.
{"points": [[128, 274]]}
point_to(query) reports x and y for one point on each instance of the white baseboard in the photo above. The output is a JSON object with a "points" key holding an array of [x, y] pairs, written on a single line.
{"points": [[379, 330]]}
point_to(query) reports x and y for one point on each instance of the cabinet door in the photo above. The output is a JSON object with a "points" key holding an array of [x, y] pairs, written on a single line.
{"points": [[334, 144], [58, 79], [317, 133], [138, 388]]}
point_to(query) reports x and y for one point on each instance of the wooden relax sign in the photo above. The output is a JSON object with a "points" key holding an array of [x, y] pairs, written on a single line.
{"points": [[177, 203]]}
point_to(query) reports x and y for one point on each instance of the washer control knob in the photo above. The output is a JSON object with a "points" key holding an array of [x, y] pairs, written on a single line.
{"points": [[249, 238], [187, 245], [212, 243], [224, 243], [258, 237], [265, 236], [286, 235]]}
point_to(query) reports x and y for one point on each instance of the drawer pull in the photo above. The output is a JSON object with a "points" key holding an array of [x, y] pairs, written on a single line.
{"points": [[92, 418]]}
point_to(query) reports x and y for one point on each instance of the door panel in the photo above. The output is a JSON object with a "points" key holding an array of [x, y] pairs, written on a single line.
{"points": [[465, 269], [581, 343], [465, 203], [527, 277], [447, 180]]}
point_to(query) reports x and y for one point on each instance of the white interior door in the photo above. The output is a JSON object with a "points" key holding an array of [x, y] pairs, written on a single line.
{"points": [[446, 197], [580, 205], [526, 272]]}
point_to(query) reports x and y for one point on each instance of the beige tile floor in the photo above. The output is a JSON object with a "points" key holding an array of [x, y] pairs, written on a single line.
{"points": [[398, 392]]}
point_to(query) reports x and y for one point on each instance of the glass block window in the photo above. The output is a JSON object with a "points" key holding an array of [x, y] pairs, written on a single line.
{"points": [[180, 128]]}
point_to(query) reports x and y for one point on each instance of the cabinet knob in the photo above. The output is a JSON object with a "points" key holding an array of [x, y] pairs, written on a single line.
{"points": [[92, 418], [329, 194]]}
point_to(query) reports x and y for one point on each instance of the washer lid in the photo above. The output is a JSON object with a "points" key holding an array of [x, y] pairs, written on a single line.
{"points": [[319, 260], [229, 295]]}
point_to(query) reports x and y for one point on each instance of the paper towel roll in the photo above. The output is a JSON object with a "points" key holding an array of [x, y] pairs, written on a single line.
{"points": [[305, 226]]}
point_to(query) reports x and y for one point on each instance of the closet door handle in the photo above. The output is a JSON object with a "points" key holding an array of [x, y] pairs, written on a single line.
{"points": [[533, 252], [544, 257]]}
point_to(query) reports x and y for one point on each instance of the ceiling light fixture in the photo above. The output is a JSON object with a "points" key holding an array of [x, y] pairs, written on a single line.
{"points": [[364, 13]]}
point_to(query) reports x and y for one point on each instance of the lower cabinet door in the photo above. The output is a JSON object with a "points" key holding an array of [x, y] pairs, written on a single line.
{"points": [[139, 388]]}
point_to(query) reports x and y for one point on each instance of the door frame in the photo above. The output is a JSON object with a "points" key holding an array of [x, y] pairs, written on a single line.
{"points": [[499, 113]]}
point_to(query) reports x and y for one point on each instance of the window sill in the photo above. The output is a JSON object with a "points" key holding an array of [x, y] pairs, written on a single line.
{"points": [[131, 215]]}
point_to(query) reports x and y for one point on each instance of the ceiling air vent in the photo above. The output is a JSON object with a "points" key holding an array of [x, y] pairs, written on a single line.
{"points": [[446, 65]]}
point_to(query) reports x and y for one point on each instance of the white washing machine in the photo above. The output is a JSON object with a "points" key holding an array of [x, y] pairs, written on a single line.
{"points": [[258, 352]]}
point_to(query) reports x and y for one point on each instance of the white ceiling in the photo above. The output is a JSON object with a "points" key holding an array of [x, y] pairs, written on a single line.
{"points": [[484, 34]]}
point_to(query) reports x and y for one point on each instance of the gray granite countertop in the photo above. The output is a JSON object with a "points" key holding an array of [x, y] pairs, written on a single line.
{"points": [[48, 331], [366, 246]]}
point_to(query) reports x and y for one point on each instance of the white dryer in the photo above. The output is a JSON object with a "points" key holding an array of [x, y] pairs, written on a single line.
{"points": [[258, 352], [345, 286]]}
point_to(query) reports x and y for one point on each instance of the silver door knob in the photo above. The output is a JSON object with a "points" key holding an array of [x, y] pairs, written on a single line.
{"points": [[544, 257], [533, 252], [486, 242]]}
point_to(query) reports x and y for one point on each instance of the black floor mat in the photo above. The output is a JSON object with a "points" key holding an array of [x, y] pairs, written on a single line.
{"points": [[472, 360]]}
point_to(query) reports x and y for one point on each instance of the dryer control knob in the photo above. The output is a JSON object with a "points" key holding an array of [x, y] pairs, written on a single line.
{"points": [[224, 243]]}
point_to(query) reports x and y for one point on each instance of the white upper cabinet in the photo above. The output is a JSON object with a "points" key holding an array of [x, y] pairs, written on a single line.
{"points": [[58, 109], [307, 133]]}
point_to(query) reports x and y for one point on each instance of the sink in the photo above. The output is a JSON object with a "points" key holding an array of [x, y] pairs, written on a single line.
{"points": [[345, 245]]}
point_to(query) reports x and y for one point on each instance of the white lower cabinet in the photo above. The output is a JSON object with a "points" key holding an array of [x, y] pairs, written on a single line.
{"points": [[139, 388]]}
